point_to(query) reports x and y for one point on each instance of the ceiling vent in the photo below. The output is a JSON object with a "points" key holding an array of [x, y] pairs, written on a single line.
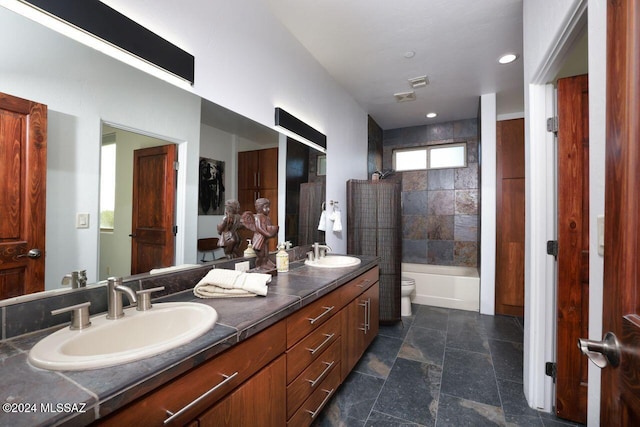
{"points": [[418, 82], [405, 96]]}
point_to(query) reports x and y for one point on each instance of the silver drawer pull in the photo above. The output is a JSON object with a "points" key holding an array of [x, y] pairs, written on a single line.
{"points": [[314, 413], [363, 283], [173, 415], [329, 366], [314, 350], [326, 310]]}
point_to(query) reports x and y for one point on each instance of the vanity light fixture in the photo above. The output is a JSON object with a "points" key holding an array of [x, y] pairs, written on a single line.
{"points": [[508, 58], [100, 27], [431, 115], [299, 130]]}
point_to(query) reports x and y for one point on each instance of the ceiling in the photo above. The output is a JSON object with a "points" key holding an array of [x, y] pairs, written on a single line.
{"points": [[456, 44]]}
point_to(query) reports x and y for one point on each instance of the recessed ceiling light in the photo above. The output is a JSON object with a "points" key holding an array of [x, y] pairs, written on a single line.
{"points": [[409, 54], [508, 58], [431, 115]]}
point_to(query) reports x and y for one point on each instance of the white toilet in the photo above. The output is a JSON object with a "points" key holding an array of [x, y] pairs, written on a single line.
{"points": [[408, 285]]}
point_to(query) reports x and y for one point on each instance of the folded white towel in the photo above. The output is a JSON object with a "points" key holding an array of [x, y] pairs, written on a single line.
{"points": [[220, 282], [322, 225], [337, 221]]}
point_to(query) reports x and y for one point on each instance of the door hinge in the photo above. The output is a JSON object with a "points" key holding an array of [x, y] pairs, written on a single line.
{"points": [[176, 165], [552, 124], [552, 248], [175, 230], [551, 370]]}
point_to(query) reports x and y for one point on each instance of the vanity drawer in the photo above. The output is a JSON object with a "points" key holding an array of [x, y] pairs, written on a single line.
{"points": [[355, 287], [311, 378], [310, 317], [310, 348], [201, 387], [311, 408]]}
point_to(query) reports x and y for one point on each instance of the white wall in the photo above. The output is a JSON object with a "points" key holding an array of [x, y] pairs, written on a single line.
{"points": [[246, 61], [549, 27], [82, 88], [488, 205]]}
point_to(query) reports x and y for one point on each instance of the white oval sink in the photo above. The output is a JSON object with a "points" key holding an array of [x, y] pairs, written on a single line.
{"points": [[137, 335], [334, 261]]}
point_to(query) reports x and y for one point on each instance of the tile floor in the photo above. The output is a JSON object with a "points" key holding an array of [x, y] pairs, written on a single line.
{"points": [[439, 367]]}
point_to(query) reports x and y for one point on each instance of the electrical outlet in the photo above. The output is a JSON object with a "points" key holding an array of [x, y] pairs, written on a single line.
{"points": [[242, 266]]}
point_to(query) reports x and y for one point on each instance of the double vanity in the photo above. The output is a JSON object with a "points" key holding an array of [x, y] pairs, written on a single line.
{"points": [[274, 360]]}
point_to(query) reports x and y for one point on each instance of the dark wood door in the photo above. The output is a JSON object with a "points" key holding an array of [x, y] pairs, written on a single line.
{"points": [[510, 196], [23, 166], [620, 392], [573, 247], [154, 192]]}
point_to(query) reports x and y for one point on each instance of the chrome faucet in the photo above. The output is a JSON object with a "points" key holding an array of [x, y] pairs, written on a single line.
{"points": [[77, 279], [319, 251], [114, 299]]}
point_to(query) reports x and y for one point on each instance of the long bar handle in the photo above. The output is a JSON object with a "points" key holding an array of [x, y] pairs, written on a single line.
{"points": [[315, 350], [324, 401], [329, 366], [174, 415], [326, 311]]}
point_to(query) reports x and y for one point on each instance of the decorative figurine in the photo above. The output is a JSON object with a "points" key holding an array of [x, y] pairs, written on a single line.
{"points": [[263, 230], [228, 229]]}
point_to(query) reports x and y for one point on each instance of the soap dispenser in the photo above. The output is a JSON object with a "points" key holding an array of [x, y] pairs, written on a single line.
{"points": [[249, 252], [282, 259]]}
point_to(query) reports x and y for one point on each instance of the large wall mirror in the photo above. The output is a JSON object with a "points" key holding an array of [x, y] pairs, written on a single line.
{"points": [[92, 98]]}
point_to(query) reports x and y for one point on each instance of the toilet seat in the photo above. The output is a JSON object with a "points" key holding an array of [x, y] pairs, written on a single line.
{"points": [[408, 285]]}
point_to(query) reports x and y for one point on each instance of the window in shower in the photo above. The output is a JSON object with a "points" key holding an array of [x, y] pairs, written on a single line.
{"points": [[442, 156]]}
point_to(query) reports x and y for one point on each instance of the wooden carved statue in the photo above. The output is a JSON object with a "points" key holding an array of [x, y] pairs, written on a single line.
{"points": [[228, 229], [263, 230]]}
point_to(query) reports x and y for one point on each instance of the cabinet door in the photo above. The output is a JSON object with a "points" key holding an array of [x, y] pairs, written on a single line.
{"points": [[268, 169], [259, 402], [247, 170], [360, 319]]}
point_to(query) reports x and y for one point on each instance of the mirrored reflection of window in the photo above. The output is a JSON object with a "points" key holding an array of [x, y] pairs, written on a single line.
{"points": [[107, 186], [431, 157]]}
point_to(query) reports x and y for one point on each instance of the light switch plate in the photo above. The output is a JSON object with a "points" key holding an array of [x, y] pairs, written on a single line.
{"points": [[242, 266], [82, 220], [601, 235]]}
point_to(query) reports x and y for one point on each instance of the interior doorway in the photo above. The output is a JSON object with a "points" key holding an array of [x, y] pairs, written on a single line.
{"points": [[116, 196]]}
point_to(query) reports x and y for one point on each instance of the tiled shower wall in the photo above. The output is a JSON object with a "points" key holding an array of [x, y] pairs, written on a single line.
{"points": [[440, 222]]}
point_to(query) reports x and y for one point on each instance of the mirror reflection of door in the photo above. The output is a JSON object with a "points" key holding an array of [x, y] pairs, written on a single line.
{"points": [[154, 244], [23, 157]]}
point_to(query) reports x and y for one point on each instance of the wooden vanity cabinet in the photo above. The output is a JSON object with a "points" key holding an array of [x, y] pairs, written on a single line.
{"points": [[325, 340], [199, 389], [283, 375]]}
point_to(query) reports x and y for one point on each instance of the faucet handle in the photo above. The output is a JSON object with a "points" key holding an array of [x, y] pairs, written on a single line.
{"points": [[144, 298], [79, 315]]}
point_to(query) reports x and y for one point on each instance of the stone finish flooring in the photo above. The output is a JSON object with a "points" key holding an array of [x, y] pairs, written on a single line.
{"points": [[439, 367]]}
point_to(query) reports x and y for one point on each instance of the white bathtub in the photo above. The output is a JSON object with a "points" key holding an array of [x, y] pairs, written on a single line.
{"points": [[444, 286]]}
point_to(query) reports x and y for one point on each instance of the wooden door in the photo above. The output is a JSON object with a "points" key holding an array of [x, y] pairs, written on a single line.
{"points": [[23, 166], [620, 392], [154, 192], [573, 247], [510, 197]]}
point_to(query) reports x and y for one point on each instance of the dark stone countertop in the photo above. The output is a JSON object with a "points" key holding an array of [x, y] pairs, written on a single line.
{"points": [[42, 397]]}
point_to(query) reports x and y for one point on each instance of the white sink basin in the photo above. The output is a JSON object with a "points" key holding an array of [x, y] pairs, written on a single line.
{"points": [[137, 335], [334, 261]]}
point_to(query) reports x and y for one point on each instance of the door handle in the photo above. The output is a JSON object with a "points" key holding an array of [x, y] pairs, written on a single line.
{"points": [[132, 235], [33, 254], [602, 353]]}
